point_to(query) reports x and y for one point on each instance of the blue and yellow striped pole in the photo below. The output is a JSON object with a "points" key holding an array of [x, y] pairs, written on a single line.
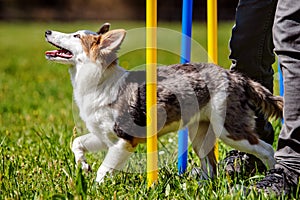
{"points": [[151, 90]]}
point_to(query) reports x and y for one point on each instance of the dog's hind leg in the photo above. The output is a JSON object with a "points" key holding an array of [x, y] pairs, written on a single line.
{"points": [[86, 143], [203, 140], [260, 149], [115, 159]]}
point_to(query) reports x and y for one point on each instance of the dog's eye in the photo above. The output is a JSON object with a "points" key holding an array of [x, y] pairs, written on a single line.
{"points": [[76, 36]]}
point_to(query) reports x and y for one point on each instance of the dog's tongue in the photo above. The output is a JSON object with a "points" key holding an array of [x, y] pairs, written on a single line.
{"points": [[59, 53], [51, 53]]}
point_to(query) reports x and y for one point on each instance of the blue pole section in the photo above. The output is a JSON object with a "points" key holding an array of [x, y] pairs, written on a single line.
{"points": [[280, 80], [187, 15], [186, 29], [280, 83]]}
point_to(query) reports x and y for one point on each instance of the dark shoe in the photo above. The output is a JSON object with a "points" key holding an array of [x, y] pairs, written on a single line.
{"points": [[278, 182], [240, 164]]}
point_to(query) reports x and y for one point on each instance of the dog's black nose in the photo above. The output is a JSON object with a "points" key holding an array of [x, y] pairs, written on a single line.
{"points": [[48, 32]]}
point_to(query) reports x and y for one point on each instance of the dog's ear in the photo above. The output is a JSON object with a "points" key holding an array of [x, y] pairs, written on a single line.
{"points": [[113, 39], [104, 28]]}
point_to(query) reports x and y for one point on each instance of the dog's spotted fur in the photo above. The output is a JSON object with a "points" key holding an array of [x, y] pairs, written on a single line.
{"points": [[242, 99], [212, 102]]}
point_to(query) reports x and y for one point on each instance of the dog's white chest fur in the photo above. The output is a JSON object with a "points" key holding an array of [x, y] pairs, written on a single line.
{"points": [[94, 91]]}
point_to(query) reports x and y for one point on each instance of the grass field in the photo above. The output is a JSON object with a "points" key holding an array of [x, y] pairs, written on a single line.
{"points": [[37, 125]]}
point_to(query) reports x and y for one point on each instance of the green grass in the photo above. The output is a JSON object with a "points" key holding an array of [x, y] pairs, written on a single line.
{"points": [[38, 116]]}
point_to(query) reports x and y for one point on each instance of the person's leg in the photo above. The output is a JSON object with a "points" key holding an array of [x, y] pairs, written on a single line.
{"points": [[287, 46], [251, 47], [251, 43]]}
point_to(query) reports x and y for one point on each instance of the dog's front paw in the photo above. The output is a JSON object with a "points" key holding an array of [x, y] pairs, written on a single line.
{"points": [[102, 172], [100, 177], [86, 167]]}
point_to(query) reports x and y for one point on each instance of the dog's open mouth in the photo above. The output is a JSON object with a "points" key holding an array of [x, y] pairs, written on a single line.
{"points": [[61, 52]]}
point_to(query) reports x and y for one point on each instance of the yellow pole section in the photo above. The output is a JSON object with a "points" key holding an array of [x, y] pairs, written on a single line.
{"points": [[212, 40], [212, 30], [151, 97]]}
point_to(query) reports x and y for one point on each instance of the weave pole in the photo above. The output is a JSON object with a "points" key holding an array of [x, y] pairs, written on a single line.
{"points": [[280, 80], [212, 39], [212, 30], [187, 18], [280, 83], [151, 90]]}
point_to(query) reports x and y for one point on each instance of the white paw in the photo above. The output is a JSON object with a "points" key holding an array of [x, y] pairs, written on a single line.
{"points": [[100, 178], [102, 172], [86, 167]]}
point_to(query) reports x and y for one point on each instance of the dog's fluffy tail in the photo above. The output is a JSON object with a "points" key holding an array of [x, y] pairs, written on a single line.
{"points": [[264, 100]]}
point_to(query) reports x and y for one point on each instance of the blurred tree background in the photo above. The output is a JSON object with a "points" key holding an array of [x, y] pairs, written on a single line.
{"points": [[67, 10]]}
